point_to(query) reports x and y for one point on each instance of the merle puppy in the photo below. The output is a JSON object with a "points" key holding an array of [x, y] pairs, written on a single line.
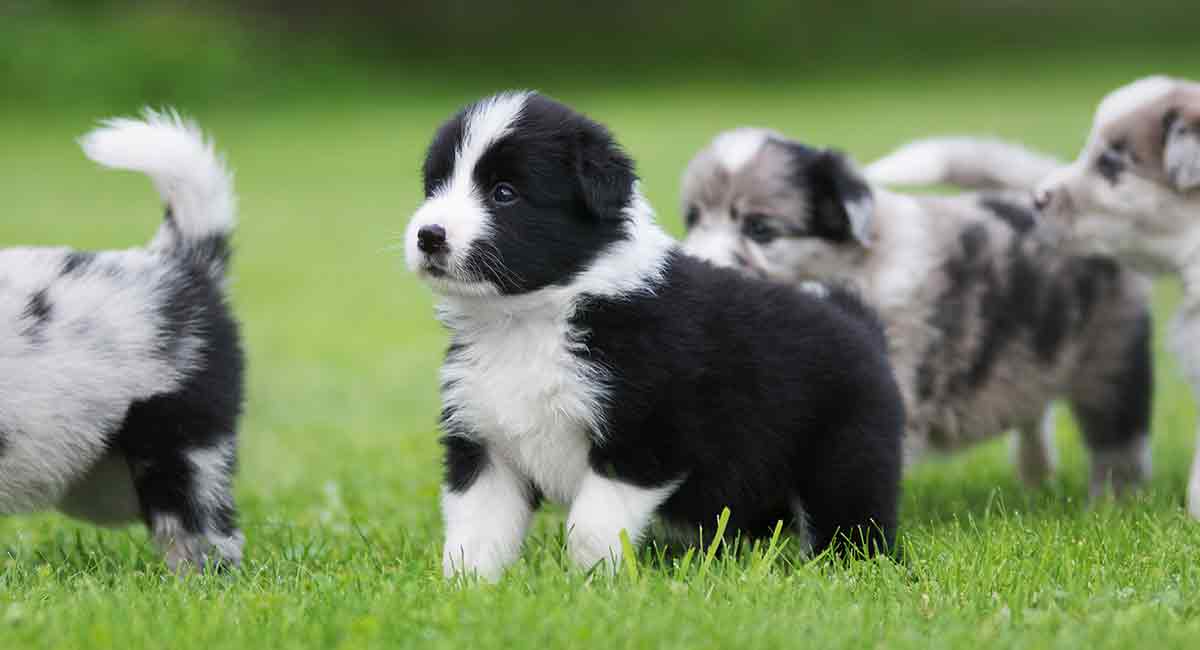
{"points": [[594, 364], [121, 371], [987, 324]]}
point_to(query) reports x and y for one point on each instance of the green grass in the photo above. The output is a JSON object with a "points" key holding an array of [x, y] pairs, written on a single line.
{"points": [[340, 471]]}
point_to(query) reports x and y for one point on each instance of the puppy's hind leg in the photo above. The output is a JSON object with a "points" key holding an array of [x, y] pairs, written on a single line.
{"points": [[1113, 406], [1034, 452], [187, 501]]}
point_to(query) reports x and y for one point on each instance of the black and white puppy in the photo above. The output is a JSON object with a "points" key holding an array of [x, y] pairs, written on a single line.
{"points": [[121, 371], [594, 364]]}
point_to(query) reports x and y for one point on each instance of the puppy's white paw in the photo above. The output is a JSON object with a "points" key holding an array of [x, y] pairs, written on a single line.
{"points": [[475, 557]]}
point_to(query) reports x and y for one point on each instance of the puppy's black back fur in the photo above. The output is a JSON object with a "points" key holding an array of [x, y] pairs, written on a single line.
{"points": [[765, 399]]}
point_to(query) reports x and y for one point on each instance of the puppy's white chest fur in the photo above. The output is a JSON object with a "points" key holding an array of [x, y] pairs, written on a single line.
{"points": [[514, 383]]}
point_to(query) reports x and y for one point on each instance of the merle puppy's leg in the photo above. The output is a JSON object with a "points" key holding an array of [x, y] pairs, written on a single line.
{"points": [[603, 508], [1034, 453], [186, 498], [1112, 402], [487, 508]]}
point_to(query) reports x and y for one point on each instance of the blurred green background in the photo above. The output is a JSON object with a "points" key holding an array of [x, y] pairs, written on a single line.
{"points": [[324, 111]]}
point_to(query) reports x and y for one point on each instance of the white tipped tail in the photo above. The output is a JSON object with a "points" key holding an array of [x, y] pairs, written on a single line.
{"points": [[973, 163], [189, 175]]}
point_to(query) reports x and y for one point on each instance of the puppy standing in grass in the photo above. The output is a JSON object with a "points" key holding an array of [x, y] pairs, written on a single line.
{"points": [[121, 371], [1133, 192], [593, 364], [986, 325]]}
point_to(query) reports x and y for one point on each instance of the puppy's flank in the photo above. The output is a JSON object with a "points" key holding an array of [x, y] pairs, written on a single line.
{"points": [[121, 371], [593, 364], [986, 324]]}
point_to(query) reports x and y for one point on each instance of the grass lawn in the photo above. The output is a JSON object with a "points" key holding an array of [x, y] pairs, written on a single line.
{"points": [[340, 473]]}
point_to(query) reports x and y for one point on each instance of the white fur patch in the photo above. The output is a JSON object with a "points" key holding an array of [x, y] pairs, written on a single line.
{"points": [[713, 243], [602, 510], [861, 212], [213, 472], [735, 148], [1182, 159], [64, 390], [486, 524], [1132, 97]]}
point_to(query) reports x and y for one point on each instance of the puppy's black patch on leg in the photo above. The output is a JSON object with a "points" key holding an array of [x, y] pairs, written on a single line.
{"points": [[464, 461]]}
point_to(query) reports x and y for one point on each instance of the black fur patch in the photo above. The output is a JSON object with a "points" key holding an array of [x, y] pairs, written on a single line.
{"points": [[76, 262], [464, 460], [573, 184], [1113, 420], [1110, 165], [757, 395], [1019, 217], [829, 182], [38, 311], [203, 413]]}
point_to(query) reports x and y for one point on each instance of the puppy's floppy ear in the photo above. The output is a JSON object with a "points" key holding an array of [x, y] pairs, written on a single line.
{"points": [[605, 173], [842, 204], [1181, 150]]}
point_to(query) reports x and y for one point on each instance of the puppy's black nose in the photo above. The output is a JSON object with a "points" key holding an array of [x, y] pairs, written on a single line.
{"points": [[431, 239]]}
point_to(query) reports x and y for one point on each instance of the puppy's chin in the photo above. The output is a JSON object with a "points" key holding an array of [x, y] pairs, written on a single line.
{"points": [[447, 285]]}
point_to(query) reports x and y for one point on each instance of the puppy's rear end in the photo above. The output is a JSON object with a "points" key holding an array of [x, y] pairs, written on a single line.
{"points": [[124, 368]]}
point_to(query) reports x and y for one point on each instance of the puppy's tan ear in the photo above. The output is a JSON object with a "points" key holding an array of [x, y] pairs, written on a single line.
{"points": [[1181, 150]]}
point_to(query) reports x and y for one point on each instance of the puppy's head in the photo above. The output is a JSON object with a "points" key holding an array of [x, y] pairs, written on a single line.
{"points": [[776, 208], [1138, 178], [521, 193]]}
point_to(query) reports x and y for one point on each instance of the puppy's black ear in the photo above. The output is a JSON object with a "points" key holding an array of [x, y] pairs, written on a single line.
{"points": [[605, 173], [1181, 151], [842, 204]]}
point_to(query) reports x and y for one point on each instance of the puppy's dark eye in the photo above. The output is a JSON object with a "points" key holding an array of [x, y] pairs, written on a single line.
{"points": [[759, 229], [1111, 163], [504, 194], [692, 217]]}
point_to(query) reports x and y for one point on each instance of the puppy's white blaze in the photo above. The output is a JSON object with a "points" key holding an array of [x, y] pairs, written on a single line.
{"points": [[602, 510], [861, 212], [462, 213], [735, 148], [185, 169], [458, 205], [486, 524], [1132, 97]]}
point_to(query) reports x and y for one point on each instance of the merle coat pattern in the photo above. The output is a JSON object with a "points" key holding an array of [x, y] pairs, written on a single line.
{"points": [[593, 364], [986, 322], [121, 371]]}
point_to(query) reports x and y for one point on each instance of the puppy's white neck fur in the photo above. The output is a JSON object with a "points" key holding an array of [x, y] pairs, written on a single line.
{"points": [[633, 264]]}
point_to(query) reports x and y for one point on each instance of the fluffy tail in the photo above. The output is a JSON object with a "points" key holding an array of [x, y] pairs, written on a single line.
{"points": [[972, 163], [191, 178]]}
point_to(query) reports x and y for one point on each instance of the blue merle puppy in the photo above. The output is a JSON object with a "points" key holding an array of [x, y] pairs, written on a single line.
{"points": [[987, 324], [121, 371], [593, 364]]}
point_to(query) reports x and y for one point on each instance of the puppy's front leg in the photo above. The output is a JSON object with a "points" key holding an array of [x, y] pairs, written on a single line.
{"points": [[604, 507], [487, 507]]}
